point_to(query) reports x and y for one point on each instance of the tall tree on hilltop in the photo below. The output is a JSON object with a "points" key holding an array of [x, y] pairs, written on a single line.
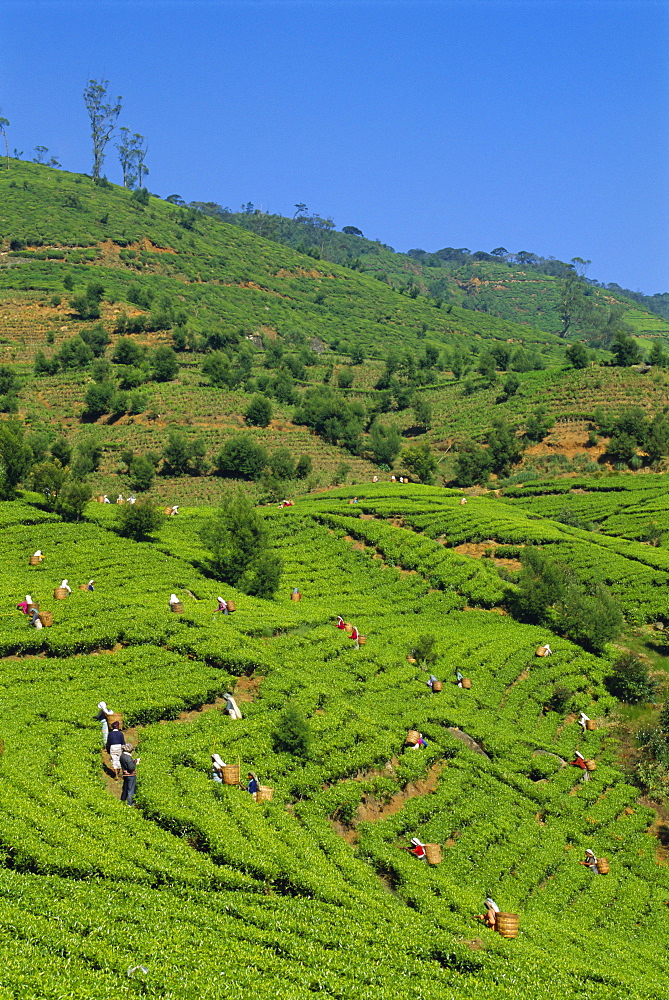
{"points": [[103, 116], [4, 125]]}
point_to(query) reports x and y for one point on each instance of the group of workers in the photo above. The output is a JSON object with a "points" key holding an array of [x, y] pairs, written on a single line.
{"points": [[217, 765], [123, 764], [119, 499]]}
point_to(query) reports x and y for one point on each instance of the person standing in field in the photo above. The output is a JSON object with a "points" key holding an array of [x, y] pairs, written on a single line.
{"points": [[103, 718], [65, 586], [129, 772], [114, 746]]}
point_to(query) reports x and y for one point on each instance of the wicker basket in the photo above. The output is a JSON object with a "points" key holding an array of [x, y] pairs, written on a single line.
{"points": [[115, 717], [295, 595], [100, 499], [412, 738], [31, 607], [433, 854], [436, 685], [590, 726], [603, 866], [232, 606], [167, 510], [120, 501], [466, 683], [507, 924], [264, 793], [46, 618], [230, 773], [412, 659], [590, 765], [60, 593], [34, 560], [83, 586], [362, 639], [348, 628], [541, 651], [177, 608]]}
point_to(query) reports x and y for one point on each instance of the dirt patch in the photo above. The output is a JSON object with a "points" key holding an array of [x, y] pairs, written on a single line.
{"points": [[246, 688], [372, 809], [477, 550], [355, 543]]}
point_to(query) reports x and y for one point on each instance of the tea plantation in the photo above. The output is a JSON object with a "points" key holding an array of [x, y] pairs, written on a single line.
{"points": [[201, 892]]}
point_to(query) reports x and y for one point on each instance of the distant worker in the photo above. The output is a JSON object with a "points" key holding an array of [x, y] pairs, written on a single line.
{"points": [[491, 911], [222, 606], [103, 718], [340, 622], [590, 861], [217, 766], [417, 849], [375, 479], [231, 706], [253, 784], [23, 605], [119, 498], [90, 585], [132, 499], [38, 555], [129, 772], [114, 746], [459, 677], [420, 742], [174, 511], [432, 681], [65, 586], [547, 650], [392, 479], [582, 721], [355, 636], [174, 600], [106, 499], [463, 501], [579, 761], [35, 619]]}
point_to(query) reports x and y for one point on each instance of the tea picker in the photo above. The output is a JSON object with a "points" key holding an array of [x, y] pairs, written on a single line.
{"points": [[231, 706]]}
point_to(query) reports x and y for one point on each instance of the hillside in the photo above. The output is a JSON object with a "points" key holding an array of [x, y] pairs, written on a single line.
{"points": [[313, 891], [140, 342]]}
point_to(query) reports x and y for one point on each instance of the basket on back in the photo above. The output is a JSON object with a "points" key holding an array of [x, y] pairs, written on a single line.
{"points": [[412, 738], [230, 774], [590, 765], [34, 560], [60, 593], [231, 606], [177, 607], [466, 683], [436, 685], [264, 793], [590, 725], [433, 853], [507, 924], [46, 618], [603, 866], [542, 651], [296, 595], [362, 639]]}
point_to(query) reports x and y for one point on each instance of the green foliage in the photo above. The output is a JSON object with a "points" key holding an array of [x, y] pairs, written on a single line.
{"points": [[385, 443], [424, 651], [241, 457], [239, 549], [538, 424], [259, 411], [559, 699], [630, 679], [577, 355], [165, 364], [139, 520], [472, 464], [183, 455], [504, 448], [293, 734], [15, 457], [141, 473], [420, 460], [625, 350]]}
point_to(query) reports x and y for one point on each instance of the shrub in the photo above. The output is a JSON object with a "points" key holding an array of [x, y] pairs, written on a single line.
{"points": [[241, 457], [293, 734], [259, 411], [630, 681]]}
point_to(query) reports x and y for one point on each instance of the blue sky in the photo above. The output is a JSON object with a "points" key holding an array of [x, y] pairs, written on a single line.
{"points": [[539, 126]]}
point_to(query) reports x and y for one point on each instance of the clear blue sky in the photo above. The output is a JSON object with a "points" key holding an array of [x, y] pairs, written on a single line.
{"points": [[539, 126]]}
